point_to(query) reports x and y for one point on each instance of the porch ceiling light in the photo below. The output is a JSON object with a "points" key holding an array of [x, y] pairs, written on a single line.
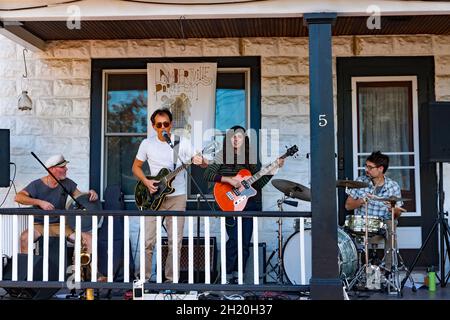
{"points": [[25, 102]]}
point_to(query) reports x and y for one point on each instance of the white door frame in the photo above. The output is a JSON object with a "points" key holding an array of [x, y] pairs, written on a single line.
{"points": [[416, 153]]}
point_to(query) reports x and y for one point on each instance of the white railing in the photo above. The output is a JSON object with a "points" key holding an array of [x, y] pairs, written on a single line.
{"points": [[14, 236], [6, 232]]}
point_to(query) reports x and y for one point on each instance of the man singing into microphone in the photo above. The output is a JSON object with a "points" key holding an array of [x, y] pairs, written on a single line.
{"points": [[157, 151]]}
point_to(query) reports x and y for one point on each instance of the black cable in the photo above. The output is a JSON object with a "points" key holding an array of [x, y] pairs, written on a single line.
{"points": [[15, 191], [10, 185], [41, 6]]}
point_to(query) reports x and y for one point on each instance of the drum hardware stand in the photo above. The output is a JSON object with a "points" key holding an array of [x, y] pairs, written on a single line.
{"points": [[393, 279], [444, 233], [278, 267], [361, 276]]}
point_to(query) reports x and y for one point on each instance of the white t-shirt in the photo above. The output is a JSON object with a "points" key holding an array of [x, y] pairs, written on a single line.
{"points": [[160, 155]]}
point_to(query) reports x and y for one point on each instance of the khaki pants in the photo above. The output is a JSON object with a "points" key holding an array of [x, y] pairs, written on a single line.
{"points": [[53, 229], [175, 203]]}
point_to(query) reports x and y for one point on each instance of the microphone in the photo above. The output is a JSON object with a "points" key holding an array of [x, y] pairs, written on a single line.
{"points": [[167, 138], [291, 203]]}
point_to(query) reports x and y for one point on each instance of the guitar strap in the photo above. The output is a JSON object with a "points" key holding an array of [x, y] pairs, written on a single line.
{"points": [[176, 149]]}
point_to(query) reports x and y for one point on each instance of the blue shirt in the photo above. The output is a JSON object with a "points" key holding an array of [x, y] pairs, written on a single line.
{"points": [[376, 208]]}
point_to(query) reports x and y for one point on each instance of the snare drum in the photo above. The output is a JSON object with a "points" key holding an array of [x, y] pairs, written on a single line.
{"points": [[356, 224]]}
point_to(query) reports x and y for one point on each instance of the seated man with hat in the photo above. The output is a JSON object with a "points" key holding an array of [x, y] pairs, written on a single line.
{"points": [[46, 193]]}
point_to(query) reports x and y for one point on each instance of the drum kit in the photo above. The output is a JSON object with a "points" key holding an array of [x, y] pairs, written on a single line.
{"points": [[353, 244]]}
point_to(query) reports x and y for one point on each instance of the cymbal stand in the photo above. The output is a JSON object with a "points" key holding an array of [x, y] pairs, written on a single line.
{"points": [[441, 226], [393, 279], [278, 267], [280, 240]]}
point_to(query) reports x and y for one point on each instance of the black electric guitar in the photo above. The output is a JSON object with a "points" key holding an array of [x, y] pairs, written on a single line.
{"points": [[146, 201]]}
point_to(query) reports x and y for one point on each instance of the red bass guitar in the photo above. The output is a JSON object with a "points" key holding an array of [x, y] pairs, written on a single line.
{"points": [[230, 198]]}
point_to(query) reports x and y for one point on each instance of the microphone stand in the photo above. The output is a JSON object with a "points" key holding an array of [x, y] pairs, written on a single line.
{"points": [[169, 142], [197, 247], [64, 188]]}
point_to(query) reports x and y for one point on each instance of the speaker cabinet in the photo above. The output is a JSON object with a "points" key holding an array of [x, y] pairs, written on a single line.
{"points": [[199, 258], [439, 118], [22, 270], [4, 158]]}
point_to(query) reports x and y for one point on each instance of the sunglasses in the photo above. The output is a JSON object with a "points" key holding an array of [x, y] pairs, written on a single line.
{"points": [[159, 125]]}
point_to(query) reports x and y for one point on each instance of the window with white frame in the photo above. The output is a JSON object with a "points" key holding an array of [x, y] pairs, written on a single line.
{"points": [[125, 122]]}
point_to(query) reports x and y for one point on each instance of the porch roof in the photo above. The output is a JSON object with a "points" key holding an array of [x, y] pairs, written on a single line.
{"points": [[114, 19], [230, 28]]}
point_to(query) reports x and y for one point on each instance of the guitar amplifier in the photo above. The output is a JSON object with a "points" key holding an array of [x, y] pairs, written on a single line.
{"points": [[199, 257]]}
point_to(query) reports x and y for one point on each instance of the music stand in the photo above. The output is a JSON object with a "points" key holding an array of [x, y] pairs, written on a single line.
{"points": [[444, 232]]}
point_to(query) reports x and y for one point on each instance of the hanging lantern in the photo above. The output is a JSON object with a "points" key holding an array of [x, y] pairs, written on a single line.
{"points": [[25, 102]]}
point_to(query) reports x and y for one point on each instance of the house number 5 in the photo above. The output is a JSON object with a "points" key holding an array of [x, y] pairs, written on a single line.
{"points": [[322, 121]]}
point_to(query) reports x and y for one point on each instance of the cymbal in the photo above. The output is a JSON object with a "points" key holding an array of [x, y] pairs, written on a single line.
{"points": [[292, 189], [391, 199], [351, 184]]}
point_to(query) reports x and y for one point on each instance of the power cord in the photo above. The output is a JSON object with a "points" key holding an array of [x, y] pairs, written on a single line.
{"points": [[15, 191], [11, 184], [233, 297]]}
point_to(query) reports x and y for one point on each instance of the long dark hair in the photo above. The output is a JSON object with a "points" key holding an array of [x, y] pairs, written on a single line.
{"points": [[230, 133]]}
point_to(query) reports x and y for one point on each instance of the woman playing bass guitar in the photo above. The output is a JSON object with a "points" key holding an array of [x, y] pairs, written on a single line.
{"points": [[233, 158]]}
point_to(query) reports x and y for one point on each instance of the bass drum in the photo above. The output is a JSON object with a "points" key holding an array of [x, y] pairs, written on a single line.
{"points": [[347, 258], [86, 222]]}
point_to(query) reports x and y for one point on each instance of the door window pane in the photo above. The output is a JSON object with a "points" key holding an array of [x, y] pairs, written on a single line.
{"points": [[231, 110], [120, 154], [384, 114], [125, 127], [385, 123], [126, 101]]}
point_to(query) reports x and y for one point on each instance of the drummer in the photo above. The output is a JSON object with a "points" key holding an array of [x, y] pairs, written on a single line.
{"points": [[45, 193], [380, 186]]}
